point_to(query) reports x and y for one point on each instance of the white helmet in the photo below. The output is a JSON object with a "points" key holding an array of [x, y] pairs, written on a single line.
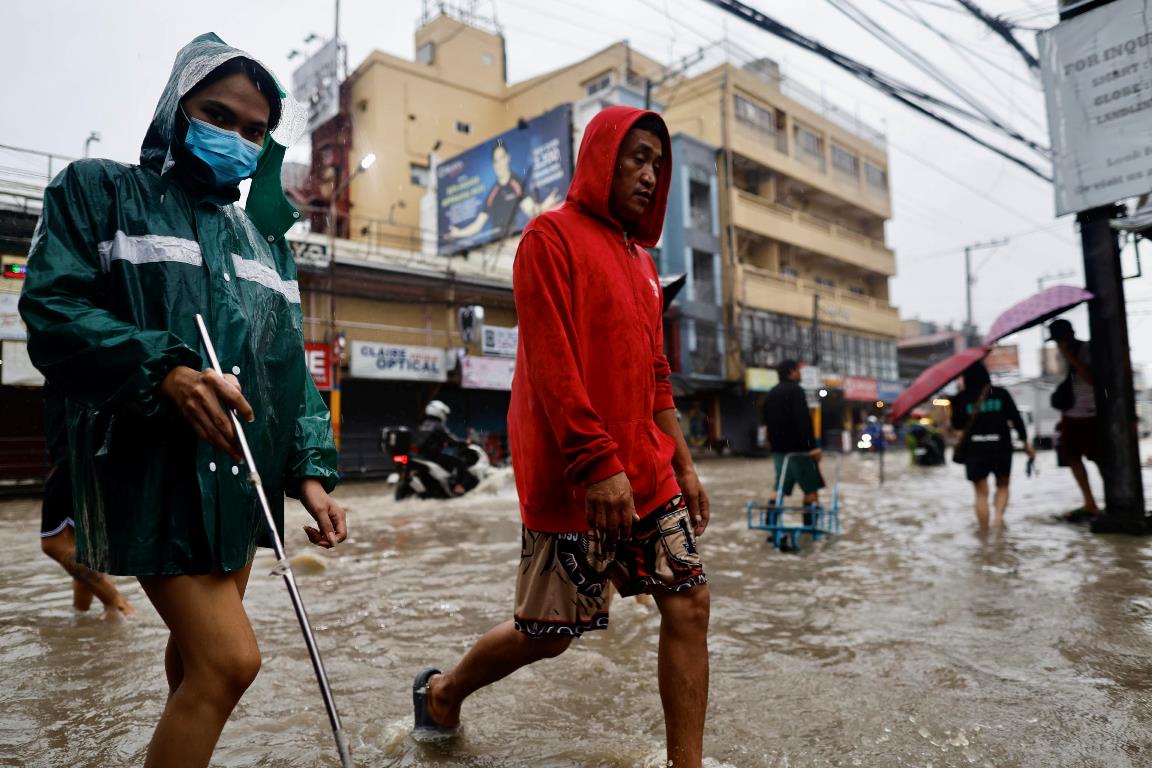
{"points": [[437, 410]]}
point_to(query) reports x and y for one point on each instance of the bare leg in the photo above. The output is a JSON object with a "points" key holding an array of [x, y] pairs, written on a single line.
{"points": [[81, 596], [87, 582], [981, 488], [218, 658], [498, 653], [683, 672], [1080, 472], [1001, 501], [173, 664]]}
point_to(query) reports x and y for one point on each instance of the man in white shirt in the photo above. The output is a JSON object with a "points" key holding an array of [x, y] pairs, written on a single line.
{"points": [[1078, 427]]}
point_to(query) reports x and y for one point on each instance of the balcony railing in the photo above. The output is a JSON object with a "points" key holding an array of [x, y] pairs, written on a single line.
{"points": [[837, 306], [814, 223]]}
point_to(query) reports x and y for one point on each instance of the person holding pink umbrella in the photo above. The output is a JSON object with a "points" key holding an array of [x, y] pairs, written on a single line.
{"points": [[985, 415]]}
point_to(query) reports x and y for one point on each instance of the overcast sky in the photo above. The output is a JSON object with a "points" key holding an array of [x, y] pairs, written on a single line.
{"points": [[75, 66]]}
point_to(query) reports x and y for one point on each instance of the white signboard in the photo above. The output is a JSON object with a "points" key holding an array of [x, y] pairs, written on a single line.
{"points": [[486, 373], [17, 369], [500, 341], [371, 360], [308, 254], [11, 326], [316, 85], [810, 378], [1097, 73]]}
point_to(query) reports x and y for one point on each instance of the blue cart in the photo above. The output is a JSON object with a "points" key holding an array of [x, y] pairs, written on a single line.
{"points": [[787, 523]]}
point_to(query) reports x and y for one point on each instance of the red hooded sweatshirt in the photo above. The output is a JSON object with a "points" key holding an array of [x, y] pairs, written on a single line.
{"points": [[590, 366]]}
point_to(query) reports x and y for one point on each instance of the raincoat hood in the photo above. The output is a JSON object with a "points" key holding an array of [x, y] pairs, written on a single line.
{"points": [[591, 187], [266, 205]]}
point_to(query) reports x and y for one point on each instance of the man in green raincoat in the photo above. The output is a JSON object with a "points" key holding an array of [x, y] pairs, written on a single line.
{"points": [[123, 259]]}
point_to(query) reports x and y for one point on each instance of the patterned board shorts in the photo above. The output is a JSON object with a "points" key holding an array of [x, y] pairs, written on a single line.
{"points": [[563, 586]]}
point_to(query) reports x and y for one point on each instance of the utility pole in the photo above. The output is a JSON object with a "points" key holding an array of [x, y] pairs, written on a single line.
{"points": [[1111, 363], [969, 327], [816, 329], [670, 72]]}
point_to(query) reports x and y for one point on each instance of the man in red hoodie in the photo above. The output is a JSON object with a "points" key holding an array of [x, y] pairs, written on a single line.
{"points": [[608, 491]]}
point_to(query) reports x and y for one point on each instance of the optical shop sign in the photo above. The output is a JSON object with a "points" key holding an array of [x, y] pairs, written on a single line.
{"points": [[1097, 73], [371, 360]]}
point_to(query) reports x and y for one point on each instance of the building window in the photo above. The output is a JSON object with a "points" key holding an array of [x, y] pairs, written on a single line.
{"points": [[876, 176], [751, 113], [856, 290], [700, 206], [809, 146], [418, 175], [425, 54], [463, 127], [825, 282], [789, 272], [845, 161], [704, 348], [704, 280], [602, 83]]}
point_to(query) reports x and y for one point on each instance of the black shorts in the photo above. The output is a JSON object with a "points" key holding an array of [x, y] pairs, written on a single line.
{"points": [[980, 466], [56, 511]]}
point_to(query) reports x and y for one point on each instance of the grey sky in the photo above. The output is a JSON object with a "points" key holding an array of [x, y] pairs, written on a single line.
{"points": [[73, 66]]}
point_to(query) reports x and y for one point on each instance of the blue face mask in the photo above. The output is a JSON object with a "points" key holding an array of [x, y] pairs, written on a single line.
{"points": [[231, 157]]}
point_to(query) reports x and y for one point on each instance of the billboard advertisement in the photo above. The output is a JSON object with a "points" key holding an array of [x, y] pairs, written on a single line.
{"points": [[492, 190], [1097, 80], [316, 85]]}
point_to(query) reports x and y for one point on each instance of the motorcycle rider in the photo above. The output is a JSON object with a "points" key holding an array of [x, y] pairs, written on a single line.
{"points": [[433, 438]]}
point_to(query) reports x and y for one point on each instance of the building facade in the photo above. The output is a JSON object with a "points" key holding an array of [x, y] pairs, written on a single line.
{"points": [[803, 203]]}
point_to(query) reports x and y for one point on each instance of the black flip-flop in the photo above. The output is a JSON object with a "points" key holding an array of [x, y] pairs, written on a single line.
{"points": [[1076, 516], [424, 723]]}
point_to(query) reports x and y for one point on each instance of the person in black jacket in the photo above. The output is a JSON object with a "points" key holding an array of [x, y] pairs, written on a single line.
{"points": [[987, 443], [789, 426]]}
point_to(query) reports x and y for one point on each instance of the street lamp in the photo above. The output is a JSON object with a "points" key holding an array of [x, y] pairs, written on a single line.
{"points": [[337, 189], [93, 136]]}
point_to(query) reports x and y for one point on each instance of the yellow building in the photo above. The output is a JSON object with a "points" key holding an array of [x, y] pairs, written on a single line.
{"points": [[800, 195], [804, 201], [387, 292]]}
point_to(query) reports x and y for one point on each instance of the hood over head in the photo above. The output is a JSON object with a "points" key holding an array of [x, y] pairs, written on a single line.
{"points": [[267, 206], [591, 187]]}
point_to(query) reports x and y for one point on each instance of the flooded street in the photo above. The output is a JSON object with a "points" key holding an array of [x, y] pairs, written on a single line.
{"points": [[906, 641]]}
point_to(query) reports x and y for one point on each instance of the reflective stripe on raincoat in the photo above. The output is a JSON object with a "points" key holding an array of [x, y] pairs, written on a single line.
{"points": [[122, 260]]}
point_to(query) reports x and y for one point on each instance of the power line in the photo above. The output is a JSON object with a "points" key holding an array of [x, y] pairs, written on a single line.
{"points": [[998, 26], [870, 25], [895, 89]]}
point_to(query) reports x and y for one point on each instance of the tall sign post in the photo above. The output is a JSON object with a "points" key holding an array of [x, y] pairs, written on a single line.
{"points": [[1098, 81]]}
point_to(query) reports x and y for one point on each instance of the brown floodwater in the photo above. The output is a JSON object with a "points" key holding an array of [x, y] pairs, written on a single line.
{"points": [[909, 640]]}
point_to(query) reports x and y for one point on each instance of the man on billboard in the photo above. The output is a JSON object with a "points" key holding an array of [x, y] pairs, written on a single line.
{"points": [[609, 495], [506, 196]]}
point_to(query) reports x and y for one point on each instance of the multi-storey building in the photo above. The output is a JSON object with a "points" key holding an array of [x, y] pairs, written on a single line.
{"points": [[776, 215], [803, 202], [387, 291]]}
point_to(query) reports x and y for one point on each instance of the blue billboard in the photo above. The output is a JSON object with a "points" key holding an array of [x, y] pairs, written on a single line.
{"points": [[492, 190]]}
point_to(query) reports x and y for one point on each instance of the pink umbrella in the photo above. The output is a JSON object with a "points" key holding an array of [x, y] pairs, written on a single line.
{"points": [[1036, 309], [934, 379]]}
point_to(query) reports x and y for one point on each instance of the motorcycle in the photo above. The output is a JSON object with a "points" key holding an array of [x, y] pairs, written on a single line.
{"points": [[424, 478]]}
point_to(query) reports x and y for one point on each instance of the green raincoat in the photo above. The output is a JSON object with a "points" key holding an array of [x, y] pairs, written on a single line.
{"points": [[123, 259]]}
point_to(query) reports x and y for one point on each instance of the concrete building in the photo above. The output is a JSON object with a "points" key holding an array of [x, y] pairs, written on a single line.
{"points": [[387, 290], [776, 215], [22, 450], [803, 201]]}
